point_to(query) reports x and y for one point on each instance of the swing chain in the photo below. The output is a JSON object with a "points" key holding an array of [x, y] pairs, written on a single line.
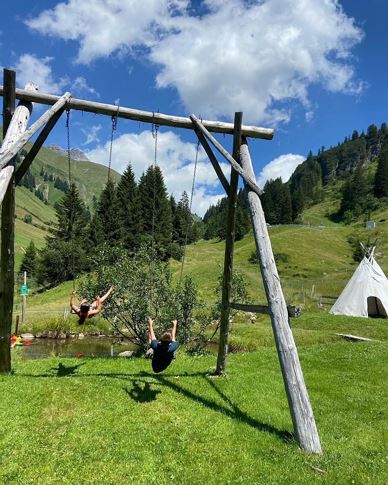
{"points": [[68, 143], [114, 128], [71, 201], [190, 221]]}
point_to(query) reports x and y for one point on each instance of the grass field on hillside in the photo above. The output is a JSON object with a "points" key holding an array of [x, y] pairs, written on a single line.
{"points": [[319, 262], [112, 421]]}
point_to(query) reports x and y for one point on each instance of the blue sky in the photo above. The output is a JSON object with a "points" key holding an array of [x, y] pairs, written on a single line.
{"points": [[315, 70]]}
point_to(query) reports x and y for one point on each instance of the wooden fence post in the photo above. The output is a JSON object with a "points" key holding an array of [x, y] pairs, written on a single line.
{"points": [[301, 411], [229, 248]]}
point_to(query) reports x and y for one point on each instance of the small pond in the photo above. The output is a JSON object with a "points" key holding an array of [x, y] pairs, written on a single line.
{"points": [[74, 347]]}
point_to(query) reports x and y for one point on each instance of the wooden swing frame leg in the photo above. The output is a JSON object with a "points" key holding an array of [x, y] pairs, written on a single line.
{"points": [[299, 403], [7, 235]]}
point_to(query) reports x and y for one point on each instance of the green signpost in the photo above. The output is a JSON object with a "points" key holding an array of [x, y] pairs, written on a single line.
{"points": [[24, 290]]}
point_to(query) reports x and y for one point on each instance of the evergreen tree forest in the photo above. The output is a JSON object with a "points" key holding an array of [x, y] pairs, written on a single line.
{"points": [[347, 163], [132, 214], [129, 215]]}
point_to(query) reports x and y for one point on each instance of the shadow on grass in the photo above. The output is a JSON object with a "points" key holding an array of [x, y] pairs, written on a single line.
{"points": [[146, 394], [142, 394], [64, 371], [232, 412]]}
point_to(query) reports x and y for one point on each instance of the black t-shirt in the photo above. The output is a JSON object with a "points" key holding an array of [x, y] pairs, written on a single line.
{"points": [[163, 354]]}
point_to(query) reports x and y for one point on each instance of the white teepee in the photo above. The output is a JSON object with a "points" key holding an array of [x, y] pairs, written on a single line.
{"points": [[366, 293]]}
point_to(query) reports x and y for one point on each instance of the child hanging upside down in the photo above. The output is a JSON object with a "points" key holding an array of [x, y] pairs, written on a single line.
{"points": [[88, 310], [164, 348]]}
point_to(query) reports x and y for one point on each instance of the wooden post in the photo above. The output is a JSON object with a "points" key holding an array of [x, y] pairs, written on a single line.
{"points": [[15, 123], [20, 136], [7, 237], [229, 248], [17, 325], [298, 399], [24, 299], [29, 158]]}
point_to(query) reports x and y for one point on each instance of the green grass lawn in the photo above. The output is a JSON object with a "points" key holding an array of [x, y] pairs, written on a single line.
{"points": [[111, 421]]}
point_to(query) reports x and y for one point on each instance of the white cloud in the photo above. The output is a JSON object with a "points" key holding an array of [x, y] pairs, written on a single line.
{"points": [[91, 134], [38, 70], [175, 157], [79, 85], [309, 116], [255, 56], [104, 27], [282, 166]]}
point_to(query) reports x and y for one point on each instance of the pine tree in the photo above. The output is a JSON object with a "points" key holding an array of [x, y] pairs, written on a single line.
{"points": [[128, 209], [155, 209], [107, 212], [356, 198], [64, 256], [183, 220], [72, 224], [381, 177], [29, 261]]}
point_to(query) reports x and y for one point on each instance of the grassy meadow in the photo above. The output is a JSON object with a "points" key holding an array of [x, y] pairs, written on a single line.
{"points": [[112, 421]]}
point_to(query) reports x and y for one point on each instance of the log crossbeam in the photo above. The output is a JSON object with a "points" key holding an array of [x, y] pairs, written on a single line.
{"points": [[293, 311], [139, 115]]}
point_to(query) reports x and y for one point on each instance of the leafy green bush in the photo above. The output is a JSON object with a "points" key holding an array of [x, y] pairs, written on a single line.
{"points": [[142, 288], [239, 292]]}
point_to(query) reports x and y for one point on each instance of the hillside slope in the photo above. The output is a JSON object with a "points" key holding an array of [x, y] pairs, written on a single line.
{"points": [[89, 177]]}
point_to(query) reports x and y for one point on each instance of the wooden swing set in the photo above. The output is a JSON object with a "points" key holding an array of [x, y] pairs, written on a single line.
{"points": [[16, 135]]}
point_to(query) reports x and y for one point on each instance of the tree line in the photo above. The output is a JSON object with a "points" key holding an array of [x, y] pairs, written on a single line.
{"points": [[361, 193], [349, 164], [130, 215]]}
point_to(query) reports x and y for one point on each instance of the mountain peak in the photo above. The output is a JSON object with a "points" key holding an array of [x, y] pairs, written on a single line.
{"points": [[75, 153]]}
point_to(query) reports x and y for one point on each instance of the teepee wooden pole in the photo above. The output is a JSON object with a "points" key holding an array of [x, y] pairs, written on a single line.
{"points": [[301, 411]]}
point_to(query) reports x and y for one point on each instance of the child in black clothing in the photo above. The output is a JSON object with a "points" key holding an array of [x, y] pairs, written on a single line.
{"points": [[164, 348]]}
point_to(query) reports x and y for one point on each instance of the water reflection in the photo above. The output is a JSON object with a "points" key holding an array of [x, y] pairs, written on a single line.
{"points": [[73, 347]]}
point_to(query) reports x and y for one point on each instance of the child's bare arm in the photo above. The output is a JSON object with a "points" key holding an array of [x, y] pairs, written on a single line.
{"points": [[173, 333], [151, 333], [73, 306]]}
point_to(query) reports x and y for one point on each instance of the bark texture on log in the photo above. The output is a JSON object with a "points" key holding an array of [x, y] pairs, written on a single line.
{"points": [[301, 411], [146, 116], [229, 252]]}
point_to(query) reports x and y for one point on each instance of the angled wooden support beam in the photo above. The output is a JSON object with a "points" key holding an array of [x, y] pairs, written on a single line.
{"points": [[298, 399], [29, 158], [145, 116], [5, 178], [293, 311], [19, 143], [213, 160], [241, 171]]}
